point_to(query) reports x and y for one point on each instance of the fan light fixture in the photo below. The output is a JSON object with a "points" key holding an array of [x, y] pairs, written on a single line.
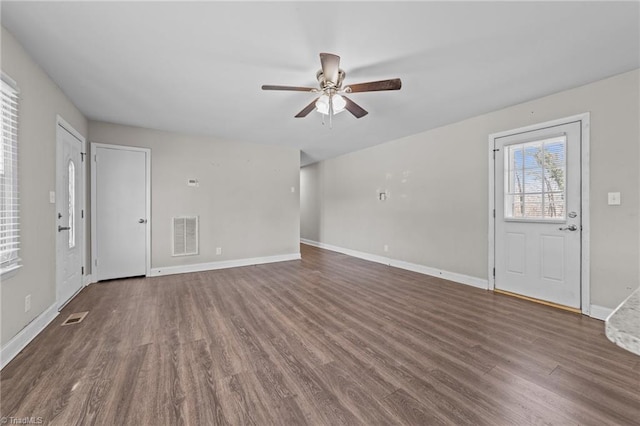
{"points": [[331, 98], [322, 104]]}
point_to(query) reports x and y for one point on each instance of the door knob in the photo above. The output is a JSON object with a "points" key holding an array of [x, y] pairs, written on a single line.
{"points": [[63, 228], [142, 220], [569, 228]]}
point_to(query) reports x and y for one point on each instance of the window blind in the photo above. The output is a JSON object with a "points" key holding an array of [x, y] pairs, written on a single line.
{"points": [[9, 198]]}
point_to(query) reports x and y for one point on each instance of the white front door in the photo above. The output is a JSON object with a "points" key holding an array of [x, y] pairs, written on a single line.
{"points": [[69, 216], [538, 214], [120, 211]]}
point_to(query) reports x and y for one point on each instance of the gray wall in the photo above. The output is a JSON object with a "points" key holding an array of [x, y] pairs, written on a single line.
{"points": [[40, 101], [437, 211], [244, 200]]}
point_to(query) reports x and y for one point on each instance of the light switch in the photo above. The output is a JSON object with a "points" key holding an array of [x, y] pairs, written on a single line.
{"points": [[614, 198], [52, 197]]}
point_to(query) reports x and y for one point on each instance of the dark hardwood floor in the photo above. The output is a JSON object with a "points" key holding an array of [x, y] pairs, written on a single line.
{"points": [[327, 340]]}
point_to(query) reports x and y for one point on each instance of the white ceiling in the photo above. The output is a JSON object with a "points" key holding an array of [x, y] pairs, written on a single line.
{"points": [[197, 67]]}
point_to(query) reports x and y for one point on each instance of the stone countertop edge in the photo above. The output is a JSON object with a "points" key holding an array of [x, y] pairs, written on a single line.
{"points": [[622, 327]]}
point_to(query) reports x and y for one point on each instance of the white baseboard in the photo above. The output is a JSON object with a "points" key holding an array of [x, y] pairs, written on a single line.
{"points": [[26, 335], [599, 312], [421, 269], [199, 267], [349, 252], [309, 242], [88, 279], [451, 276]]}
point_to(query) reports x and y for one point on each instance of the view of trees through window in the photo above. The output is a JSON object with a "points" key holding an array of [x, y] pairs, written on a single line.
{"points": [[535, 184]]}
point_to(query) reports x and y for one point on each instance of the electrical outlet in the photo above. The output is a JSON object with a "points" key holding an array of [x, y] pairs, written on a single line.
{"points": [[218, 251], [27, 303], [293, 189]]}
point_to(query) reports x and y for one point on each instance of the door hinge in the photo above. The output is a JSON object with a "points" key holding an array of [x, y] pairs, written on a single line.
{"points": [[82, 154], [494, 272], [95, 158], [82, 214], [494, 212], [494, 153], [82, 270]]}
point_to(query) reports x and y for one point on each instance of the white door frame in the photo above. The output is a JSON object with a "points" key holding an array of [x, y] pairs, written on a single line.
{"points": [[584, 120], [60, 122], [94, 230]]}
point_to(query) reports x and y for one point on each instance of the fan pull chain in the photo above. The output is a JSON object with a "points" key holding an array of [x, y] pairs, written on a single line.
{"points": [[331, 110]]}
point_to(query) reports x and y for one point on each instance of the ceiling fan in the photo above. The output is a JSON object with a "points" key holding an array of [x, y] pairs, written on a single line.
{"points": [[332, 100]]}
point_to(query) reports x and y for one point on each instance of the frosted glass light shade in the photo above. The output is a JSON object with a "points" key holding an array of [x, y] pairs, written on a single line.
{"points": [[322, 104]]}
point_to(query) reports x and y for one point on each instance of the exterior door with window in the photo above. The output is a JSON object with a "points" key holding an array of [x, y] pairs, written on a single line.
{"points": [[69, 216], [537, 215]]}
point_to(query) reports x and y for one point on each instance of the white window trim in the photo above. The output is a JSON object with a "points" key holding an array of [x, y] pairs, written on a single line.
{"points": [[13, 265]]}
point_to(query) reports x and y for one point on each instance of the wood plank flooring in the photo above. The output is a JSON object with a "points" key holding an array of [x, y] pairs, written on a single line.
{"points": [[328, 340]]}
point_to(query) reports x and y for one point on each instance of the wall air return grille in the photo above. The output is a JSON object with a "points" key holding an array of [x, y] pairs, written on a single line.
{"points": [[185, 235]]}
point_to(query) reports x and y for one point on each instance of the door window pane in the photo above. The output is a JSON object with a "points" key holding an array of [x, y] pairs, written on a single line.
{"points": [[535, 179], [72, 204]]}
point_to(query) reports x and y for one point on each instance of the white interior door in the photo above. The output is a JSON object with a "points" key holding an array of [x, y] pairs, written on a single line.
{"points": [[537, 215], [121, 197], [70, 217]]}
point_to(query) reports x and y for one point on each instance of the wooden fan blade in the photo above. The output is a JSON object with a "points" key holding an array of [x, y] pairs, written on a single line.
{"points": [[374, 86], [354, 108], [307, 109], [330, 66], [292, 88]]}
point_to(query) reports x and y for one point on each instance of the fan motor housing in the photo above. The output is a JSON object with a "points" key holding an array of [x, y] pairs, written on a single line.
{"points": [[324, 84]]}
